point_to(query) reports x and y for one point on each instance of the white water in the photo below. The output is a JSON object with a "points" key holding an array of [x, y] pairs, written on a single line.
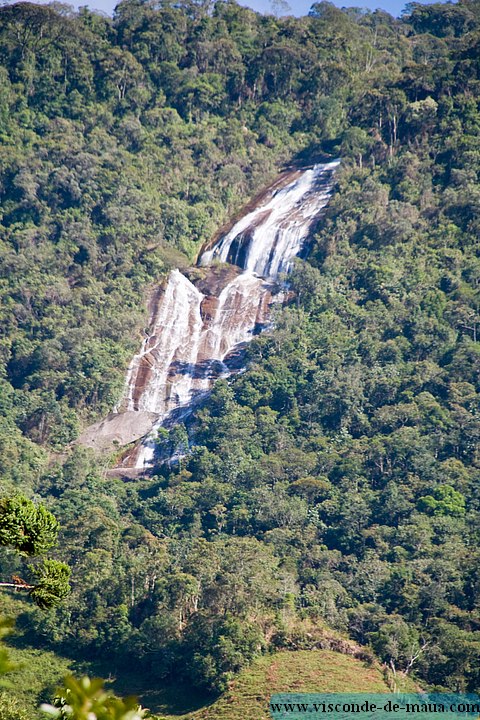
{"points": [[267, 239], [191, 333]]}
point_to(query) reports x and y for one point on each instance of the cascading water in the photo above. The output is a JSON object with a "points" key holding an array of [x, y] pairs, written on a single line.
{"points": [[266, 240], [194, 330]]}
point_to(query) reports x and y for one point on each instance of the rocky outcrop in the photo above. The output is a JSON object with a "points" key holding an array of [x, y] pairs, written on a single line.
{"points": [[202, 317]]}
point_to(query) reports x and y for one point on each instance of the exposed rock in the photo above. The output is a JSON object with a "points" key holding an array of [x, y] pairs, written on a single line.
{"points": [[202, 318], [118, 429]]}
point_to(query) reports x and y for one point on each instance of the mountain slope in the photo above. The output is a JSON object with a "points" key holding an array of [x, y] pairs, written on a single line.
{"points": [[336, 480]]}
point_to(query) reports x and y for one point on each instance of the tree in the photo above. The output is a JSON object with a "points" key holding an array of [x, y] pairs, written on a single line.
{"points": [[280, 7], [398, 644], [32, 530], [445, 500], [50, 584], [219, 647], [355, 144]]}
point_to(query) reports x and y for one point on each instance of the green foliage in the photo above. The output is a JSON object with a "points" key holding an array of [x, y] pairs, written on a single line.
{"points": [[396, 642], [335, 480], [114, 171], [444, 501], [87, 699], [219, 649], [81, 699], [6, 665], [50, 583], [31, 529], [11, 709]]}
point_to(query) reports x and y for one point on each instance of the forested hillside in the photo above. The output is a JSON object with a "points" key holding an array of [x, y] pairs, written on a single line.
{"points": [[333, 486]]}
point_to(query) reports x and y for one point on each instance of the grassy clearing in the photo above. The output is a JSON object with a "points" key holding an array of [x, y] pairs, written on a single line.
{"points": [[300, 671], [40, 672]]}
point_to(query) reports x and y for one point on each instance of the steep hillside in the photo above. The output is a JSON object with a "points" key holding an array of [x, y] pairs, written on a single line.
{"points": [[334, 482], [297, 671]]}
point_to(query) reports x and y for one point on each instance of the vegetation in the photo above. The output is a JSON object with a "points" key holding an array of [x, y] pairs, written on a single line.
{"points": [[39, 672], [298, 671], [38, 675], [335, 482], [32, 530]]}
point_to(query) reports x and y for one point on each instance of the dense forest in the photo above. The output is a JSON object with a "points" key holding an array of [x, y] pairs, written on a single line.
{"points": [[334, 485]]}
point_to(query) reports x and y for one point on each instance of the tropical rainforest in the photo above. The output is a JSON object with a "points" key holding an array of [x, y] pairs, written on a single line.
{"points": [[331, 489]]}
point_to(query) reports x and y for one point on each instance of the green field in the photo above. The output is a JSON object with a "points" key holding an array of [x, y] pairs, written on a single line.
{"points": [[39, 674]]}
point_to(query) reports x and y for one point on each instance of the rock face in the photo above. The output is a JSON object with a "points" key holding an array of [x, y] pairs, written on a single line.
{"points": [[266, 239], [198, 325], [192, 334]]}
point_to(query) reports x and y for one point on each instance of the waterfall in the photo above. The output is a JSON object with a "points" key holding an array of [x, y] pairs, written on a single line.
{"points": [[267, 239], [196, 329]]}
